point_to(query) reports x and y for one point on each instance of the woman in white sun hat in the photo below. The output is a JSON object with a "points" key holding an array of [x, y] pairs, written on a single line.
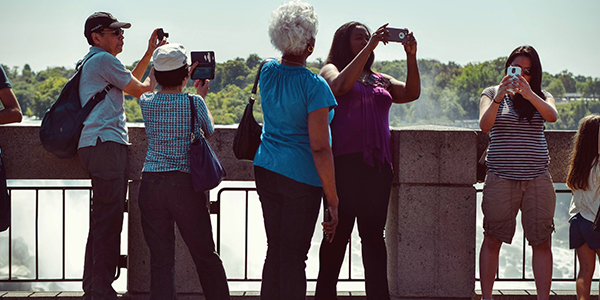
{"points": [[167, 195]]}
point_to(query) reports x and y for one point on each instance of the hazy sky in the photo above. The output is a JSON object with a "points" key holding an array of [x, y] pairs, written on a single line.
{"points": [[565, 33]]}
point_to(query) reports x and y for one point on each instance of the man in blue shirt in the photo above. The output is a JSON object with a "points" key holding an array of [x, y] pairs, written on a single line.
{"points": [[103, 146]]}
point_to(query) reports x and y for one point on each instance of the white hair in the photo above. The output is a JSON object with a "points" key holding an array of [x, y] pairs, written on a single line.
{"points": [[292, 26]]}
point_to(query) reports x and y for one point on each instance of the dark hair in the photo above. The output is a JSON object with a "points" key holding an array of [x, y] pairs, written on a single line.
{"points": [[584, 155], [171, 78], [524, 108], [90, 40], [340, 54]]}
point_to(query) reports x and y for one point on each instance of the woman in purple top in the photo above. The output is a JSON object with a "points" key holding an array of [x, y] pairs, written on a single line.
{"points": [[361, 148]]}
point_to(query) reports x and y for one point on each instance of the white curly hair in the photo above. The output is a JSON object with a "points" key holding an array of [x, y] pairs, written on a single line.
{"points": [[292, 26]]}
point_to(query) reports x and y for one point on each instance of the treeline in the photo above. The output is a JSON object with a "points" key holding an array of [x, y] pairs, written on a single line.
{"points": [[450, 92]]}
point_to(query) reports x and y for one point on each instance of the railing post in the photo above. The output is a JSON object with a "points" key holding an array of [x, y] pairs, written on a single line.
{"points": [[430, 233], [138, 268]]}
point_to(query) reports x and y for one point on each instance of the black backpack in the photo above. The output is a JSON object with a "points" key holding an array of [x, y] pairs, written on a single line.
{"points": [[63, 122]]}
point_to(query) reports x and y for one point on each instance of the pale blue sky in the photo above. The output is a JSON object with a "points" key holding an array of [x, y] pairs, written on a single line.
{"points": [[565, 33]]}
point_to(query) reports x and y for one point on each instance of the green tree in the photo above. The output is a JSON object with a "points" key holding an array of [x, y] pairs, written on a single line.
{"points": [[568, 81], [133, 112], [594, 88], [471, 82], [253, 60], [235, 72], [547, 78], [46, 93], [27, 75], [556, 88]]}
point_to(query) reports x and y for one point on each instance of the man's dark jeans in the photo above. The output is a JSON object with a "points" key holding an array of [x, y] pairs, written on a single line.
{"points": [[290, 211], [106, 164], [167, 198], [364, 193]]}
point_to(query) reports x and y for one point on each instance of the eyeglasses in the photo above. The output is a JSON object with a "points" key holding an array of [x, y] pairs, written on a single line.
{"points": [[116, 32]]}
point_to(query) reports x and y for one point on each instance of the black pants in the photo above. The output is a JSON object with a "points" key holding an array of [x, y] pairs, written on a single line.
{"points": [[106, 164], [364, 193], [290, 211], [167, 198]]}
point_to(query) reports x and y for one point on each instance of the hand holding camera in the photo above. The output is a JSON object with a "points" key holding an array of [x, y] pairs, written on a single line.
{"points": [[161, 34], [513, 72], [157, 39], [205, 65], [201, 85], [399, 35]]}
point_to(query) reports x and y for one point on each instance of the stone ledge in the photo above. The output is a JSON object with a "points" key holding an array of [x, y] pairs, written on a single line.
{"points": [[522, 294], [240, 295]]}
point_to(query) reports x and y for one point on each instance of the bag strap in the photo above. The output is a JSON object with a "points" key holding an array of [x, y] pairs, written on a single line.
{"points": [[193, 117], [255, 87]]}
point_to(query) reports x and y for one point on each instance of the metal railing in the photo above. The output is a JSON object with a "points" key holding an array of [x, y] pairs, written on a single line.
{"points": [[122, 263], [215, 208], [37, 278]]}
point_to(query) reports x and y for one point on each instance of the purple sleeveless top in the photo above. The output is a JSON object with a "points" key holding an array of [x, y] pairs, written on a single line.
{"points": [[361, 121]]}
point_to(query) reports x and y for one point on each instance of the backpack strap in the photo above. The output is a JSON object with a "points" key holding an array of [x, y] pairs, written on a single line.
{"points": [[83, 61], [100, 95]]}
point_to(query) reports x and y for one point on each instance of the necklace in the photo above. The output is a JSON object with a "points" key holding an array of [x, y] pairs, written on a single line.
{"points": [[293, 63], [366, 79], [370, 79]]}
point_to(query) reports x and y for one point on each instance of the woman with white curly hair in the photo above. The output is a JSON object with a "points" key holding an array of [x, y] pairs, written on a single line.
{"points": [[293, 166]]}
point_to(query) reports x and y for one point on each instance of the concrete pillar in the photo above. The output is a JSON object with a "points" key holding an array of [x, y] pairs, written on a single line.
{"points": [[430, 233]]}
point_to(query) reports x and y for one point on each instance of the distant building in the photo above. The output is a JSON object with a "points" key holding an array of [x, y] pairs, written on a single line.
{"points": [[570, 97]]}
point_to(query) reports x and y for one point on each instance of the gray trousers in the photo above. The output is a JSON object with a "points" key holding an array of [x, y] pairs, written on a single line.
{"points": [[106, 164]]}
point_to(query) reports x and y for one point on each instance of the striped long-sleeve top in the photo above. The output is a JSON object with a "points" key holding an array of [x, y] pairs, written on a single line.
{"points": [[518, 149]]}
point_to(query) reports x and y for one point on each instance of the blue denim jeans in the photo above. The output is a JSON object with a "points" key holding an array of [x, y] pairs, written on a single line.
{"points": [[364, 193], [106, 164], [167, 198], [290, 211]]}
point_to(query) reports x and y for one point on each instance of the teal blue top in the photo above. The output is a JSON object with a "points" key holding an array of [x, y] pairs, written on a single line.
{"points": [[288, 95]]}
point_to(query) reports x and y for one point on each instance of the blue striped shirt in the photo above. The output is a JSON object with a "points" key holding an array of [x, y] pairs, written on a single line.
{"points": [[167, 120], [518, 149]]}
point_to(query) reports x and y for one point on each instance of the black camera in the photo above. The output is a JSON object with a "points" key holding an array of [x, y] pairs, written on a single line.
{"points": [[206, 64], [161, 34]]}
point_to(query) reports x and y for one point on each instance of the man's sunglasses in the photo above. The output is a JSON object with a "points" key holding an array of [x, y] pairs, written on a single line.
{"points": [[116, 32]]}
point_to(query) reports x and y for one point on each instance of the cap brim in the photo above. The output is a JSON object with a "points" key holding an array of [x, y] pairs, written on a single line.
{"points": [[117, 25]]}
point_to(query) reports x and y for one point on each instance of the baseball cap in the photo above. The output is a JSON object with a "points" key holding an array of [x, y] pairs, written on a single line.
{"points": [[169, 57], [100, 20]]}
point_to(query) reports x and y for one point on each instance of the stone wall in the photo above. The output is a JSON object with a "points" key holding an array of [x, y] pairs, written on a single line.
{"points": [[431, 222]]}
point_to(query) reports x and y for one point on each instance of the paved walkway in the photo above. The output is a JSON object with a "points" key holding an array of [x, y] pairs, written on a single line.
{"points": [[254, 295]]}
